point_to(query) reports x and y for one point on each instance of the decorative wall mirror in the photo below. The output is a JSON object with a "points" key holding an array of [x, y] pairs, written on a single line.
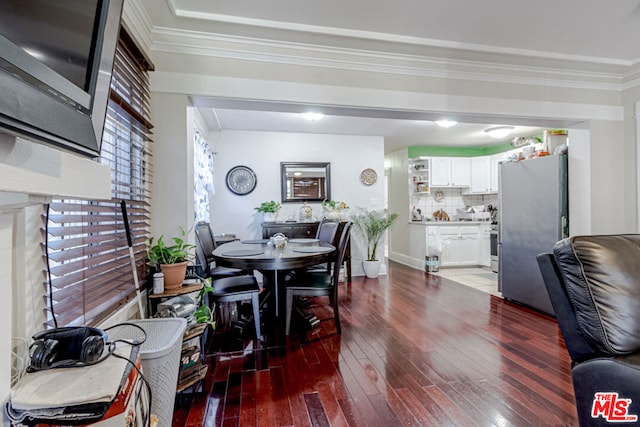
{"points": [[309, 182]]}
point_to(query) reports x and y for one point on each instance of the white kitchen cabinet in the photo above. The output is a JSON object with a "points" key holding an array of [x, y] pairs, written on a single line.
{"points": [[450, 171], [484, 245], [460, 244], [440, 171], [495, 169], [461, 171], [480, 175]]}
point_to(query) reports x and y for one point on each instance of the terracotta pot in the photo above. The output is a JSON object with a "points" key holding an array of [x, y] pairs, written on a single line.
{"points": [[174, 275]]}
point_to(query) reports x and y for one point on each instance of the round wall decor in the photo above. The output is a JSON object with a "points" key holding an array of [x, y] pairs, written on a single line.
{"points": [[368, 176], [241, 180]]}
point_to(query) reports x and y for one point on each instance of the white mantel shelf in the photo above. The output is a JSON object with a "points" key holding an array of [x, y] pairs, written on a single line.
{"points": [[15, 201], [32, 172]]}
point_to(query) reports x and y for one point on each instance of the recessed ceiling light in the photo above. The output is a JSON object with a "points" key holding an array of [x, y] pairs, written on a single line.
{"points": [[312, 116], [499, 131], [446, 123]]}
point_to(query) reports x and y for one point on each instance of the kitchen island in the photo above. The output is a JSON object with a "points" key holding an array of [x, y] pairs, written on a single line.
{"points": [[464, 243]]}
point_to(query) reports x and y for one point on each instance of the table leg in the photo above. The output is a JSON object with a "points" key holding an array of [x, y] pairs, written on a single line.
{"points": [[276, 290], [275, 280]]}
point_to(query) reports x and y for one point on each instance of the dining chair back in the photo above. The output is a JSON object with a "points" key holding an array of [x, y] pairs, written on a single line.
{"points": [[314, 284], [327, 230], [205, 244]]}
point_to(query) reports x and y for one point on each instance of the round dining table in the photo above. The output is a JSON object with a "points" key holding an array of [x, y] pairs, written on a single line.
{"points": [[274, 263]]}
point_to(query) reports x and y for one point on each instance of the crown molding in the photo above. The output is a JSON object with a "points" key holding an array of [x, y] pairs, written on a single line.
{"points": [[338, 49], [172, 40], [372, 35], [138, 24]]}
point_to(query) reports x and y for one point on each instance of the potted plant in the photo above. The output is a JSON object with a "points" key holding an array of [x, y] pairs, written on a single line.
{"points": [[269, 210], [371, 225], [334, 209], [172, 259]]}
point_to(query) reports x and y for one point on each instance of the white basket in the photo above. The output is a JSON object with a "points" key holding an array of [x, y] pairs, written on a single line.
{"points": [[160, 357]]}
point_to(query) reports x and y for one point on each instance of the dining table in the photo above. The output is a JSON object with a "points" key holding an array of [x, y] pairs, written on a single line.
{"points": [[274, 263]]}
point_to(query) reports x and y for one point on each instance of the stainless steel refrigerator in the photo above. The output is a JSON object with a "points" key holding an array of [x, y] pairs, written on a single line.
{"points": [[533, 207]]}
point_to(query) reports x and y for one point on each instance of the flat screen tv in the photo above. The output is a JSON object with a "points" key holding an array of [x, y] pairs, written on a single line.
{"points": [[56, 59]]}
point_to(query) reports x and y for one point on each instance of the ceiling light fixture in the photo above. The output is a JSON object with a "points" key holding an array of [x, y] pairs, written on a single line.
{"points": [[446, 123], [312, 116], [499, 131]]}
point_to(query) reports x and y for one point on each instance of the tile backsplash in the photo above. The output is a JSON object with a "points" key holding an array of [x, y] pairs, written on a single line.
{"points": [[452, 200]]}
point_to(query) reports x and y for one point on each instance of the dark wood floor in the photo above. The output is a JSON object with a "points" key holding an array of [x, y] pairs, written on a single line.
{"points": [[415, 350]]}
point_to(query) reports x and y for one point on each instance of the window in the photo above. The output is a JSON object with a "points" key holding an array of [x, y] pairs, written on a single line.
{"points": [[89, 263], [203, 188]]}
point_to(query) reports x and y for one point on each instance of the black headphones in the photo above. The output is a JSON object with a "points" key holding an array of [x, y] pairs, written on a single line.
{"points": [[66, 347]]}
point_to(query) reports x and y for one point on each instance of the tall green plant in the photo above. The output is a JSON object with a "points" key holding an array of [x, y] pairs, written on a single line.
{"points": [[372, 225]]}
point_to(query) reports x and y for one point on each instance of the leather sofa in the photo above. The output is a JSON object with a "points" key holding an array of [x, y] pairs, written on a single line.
{"points": [[594, 286]]}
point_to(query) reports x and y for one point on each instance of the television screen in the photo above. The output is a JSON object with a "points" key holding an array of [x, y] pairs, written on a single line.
{"points": [[59, 34], [56, 58]]}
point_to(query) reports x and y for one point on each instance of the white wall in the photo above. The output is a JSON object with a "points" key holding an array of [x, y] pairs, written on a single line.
{"points": [[263, 152], [172, 190], [580, 189]]}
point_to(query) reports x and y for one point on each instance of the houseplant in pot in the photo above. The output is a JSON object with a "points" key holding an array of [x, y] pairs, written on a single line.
{"points": [[172, 259], [335, 209], [371, 226], [269, 210]]}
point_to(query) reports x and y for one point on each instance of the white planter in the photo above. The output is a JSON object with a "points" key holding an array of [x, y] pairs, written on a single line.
{"points": [[371, 268], [269, 216]]}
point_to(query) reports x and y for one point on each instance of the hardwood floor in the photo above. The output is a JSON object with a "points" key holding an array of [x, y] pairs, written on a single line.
{"points": [[415, 350]]}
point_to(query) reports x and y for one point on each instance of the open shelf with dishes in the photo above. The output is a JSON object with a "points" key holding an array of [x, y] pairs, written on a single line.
{"points": [[420, 175]]}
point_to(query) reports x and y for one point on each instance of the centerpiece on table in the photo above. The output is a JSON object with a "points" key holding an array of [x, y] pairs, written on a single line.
{"points": [[269, 210], [335, 209], [371, 226], [172, 259]]}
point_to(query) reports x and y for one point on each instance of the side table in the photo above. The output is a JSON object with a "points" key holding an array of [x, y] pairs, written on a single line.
{"points": [[194, 373]]}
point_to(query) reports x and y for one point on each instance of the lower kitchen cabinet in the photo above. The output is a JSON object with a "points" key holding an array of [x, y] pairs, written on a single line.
{"points": [[462, 245], [484, 245]]}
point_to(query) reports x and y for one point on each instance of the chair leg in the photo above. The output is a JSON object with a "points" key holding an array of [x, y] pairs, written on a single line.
{"points": [[336, 316], [288, 311], [255, 303]]}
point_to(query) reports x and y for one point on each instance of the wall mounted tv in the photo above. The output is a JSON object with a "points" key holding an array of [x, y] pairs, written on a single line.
{"points": [[56, 59]]}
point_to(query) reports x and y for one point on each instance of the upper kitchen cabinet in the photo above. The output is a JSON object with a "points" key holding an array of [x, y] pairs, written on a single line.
{"points": [[494, 169], [480, 175], [450, 171], [420, 176]]}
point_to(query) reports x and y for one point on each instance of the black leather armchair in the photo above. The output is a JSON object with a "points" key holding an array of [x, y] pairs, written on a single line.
{"points": [[594, 286]]}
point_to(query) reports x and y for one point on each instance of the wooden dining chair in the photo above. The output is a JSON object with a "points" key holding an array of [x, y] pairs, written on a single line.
{"points": [[327, 232], [205, 244], [314, 284], [237, 289]]}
